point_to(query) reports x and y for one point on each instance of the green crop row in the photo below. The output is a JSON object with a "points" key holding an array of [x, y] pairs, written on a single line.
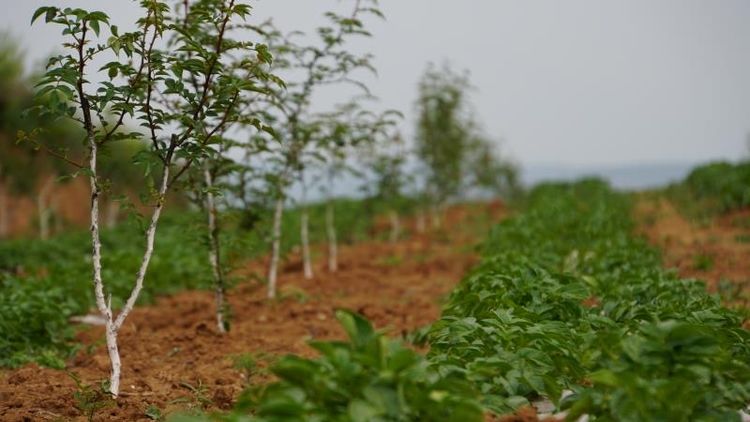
{"points": [[44, 283], [713, 188], [566, 298]]}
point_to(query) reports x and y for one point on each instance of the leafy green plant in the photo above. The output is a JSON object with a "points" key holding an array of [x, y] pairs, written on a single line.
{"points": [[197, 398], [367, 378], [154, 413], [91, 398], [566, 298], [712, 189], [688, 371], [703, 262], [247, 364]]}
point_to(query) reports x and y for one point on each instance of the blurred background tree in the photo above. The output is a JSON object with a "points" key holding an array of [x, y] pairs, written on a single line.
{"points": [[32, 177], [455, 156]]}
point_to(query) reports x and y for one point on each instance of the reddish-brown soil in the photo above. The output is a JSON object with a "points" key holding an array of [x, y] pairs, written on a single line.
{"points": [[717, 252], [174, 358], [64, 200]]}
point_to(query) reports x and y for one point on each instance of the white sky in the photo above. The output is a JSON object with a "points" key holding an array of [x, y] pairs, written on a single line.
{"points": [[574, 82]]}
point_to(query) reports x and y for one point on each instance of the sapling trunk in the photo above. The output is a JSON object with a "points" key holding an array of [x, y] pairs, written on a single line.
{"points": [[104, 305], [305, 231], [437, 220], [4, 217], [214, 253], [43, 208], [395, 226], [333, 253], [276, 247], [113, 213], [305, 238], [421, 221]]}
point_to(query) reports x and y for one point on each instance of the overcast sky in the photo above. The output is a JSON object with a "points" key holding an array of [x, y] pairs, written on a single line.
{"points": [[574, 82]]}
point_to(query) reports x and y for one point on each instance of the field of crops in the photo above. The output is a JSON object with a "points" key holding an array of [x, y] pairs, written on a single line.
{"points": [[44, 282], [566, 305], [209, 213]]}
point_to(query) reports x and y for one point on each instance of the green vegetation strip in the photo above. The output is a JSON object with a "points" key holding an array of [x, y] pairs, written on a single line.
{"points": [[566, 298], [712, 189], [44, 283]]}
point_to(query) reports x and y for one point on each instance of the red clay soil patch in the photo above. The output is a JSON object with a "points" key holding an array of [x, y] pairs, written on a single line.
{"points": [[174, 359], [714, 252]]}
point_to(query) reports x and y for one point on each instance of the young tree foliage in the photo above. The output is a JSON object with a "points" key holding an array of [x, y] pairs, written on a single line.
{"points": [[306, 68], [455, 154], [489, 172], [346, 139], [180, 76], [442, 135]]}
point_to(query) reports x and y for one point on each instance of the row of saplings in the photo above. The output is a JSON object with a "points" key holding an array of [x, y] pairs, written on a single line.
{"points": [[221, 101]]}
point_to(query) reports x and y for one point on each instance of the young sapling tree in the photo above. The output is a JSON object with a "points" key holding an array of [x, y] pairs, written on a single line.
{"points": [[442, 135], [143, 79], [309, 67], [390, 181], [489, 172], [342, 135]]}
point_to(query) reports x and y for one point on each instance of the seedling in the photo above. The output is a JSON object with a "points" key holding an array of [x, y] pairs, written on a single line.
{"points": [[154, 413], [703, 262], [90, 399]]}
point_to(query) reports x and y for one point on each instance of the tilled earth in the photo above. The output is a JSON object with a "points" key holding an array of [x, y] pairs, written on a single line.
{"points": [[717, 252], [173, 358]]}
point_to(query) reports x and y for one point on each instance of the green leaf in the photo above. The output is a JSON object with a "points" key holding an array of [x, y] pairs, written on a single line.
{"points": [[357, 327], [94, 24], [39, 12]]}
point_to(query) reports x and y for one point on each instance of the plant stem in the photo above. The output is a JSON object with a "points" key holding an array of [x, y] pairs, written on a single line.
{"points": [[3, 213], [305, 237], [437, 220], [276, 248], [42, 207], [395, 226], [333, 255], [421, 223], [146, 258], [113, 213], [214, 254]]}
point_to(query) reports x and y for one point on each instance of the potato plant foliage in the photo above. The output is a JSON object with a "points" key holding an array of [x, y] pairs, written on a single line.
{"points": [[566, 298], [367, 378]]}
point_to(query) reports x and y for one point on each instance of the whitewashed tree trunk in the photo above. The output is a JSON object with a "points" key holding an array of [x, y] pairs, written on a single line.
{"points": [[305, 238], [57, 226], [113, 213], [214, 253], [305, 231], [276, 248], [421, 221], [4, 214], [333, 253], [395, 226], [43, 208], [437, 220], [104, 305]]}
